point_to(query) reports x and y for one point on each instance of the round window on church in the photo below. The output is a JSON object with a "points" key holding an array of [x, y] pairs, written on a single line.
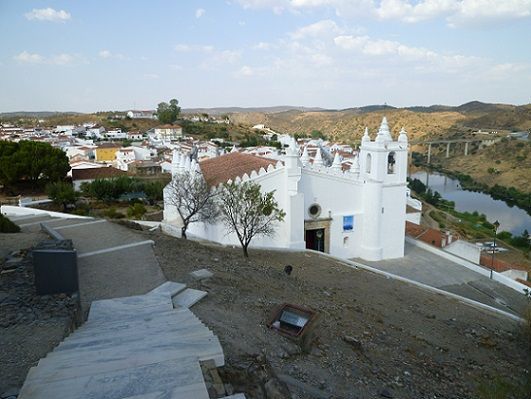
{"points": [[314, 210]]}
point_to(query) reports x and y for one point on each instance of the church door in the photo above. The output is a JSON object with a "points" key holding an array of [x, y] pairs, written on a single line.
{"points": [[315, 239]]}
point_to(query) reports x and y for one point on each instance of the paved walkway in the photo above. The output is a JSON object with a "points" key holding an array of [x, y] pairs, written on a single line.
{"points": [[113, 260], [430, 269]]}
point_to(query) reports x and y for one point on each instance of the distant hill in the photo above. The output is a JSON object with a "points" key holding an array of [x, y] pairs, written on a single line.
{"points": [[36, 114], [438, 121], [232, 110]]}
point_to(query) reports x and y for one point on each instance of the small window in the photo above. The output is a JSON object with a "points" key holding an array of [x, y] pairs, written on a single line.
{"points": [[314, 210], [368, 164], [391, 161]]}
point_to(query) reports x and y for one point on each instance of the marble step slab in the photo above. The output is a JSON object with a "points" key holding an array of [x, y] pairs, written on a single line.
{"points": [[165, 378], [80, 347], [125, 325], [168, 288], [49, 370], [115, 308], [91, 357], [188, 298], [135, 316], [180, 328]]}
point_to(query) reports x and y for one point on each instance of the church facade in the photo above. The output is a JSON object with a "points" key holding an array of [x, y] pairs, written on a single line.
{"points": [[359, 212]]}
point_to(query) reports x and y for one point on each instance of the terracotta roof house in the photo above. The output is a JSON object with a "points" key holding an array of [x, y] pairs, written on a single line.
{"points": [[80, 176]]}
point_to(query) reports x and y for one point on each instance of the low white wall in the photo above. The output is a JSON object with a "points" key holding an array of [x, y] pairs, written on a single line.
{"points": [[464, 249], [22, 211], [514, 274], [469, 265], [414, 217], [29, 201]]}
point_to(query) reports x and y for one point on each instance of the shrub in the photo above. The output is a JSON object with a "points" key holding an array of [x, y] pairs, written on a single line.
{"points": [[7, 226], [112, 213], [136, 211]]}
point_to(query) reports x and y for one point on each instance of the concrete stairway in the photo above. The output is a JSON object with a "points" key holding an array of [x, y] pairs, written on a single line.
{"points": [[137, 347]]}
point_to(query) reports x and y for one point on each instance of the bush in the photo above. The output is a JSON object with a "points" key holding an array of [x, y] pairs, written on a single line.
{"points": [[136, 211], [112, 213], [7, 226], [61, 193]]}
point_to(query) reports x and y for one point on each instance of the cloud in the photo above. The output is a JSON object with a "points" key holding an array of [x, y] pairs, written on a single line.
{"points": [[48, 14], [423, 60], [199, 12], [58, 59], [226, 56], [246, 71], [456, 13], [318, 29], [28, 58], [106, 54], [182, 48], [62, 59], [263, 46], [340, 7]]}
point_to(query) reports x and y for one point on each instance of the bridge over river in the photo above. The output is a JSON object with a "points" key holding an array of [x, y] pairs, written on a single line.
{"points": [[448, 143]]}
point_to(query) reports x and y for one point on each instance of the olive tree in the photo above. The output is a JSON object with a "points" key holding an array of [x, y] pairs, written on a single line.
{"points": [[193, 198], [248, 213]]}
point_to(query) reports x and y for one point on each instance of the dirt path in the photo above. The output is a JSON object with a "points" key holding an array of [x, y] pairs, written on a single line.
{"points": [[375, 337]]}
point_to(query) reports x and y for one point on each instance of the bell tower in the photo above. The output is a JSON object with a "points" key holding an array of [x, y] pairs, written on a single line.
{"points": [[383, 173]]}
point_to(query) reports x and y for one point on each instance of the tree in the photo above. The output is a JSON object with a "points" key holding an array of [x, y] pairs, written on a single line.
{"points": [[61, 193], [193, 199], [249, 213], [31, 161], [168, 113]]}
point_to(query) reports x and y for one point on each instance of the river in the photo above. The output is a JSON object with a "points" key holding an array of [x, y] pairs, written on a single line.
{"points": [[512, 219]]}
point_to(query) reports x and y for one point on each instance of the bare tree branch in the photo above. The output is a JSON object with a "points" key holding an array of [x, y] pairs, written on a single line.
{"points": [[193, 199]]}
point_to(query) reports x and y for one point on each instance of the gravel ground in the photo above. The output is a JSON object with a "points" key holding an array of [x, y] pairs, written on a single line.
{"points": [[30, 325], [375, 337]]}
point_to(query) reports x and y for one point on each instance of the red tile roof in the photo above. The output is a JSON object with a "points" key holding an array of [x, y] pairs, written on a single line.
{"points": [[229, 166], [428, 235], [96, 173], [499, 265]]}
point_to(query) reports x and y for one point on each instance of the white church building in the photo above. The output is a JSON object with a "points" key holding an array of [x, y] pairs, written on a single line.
{"points": [[360, 212]]}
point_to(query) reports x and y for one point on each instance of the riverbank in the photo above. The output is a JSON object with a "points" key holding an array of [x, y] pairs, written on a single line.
{"points": [[510, 195], [441, 213]]}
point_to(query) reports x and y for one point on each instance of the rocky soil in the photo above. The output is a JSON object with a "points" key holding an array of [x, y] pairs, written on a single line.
{"points": [[374, 338], [30, 325]]}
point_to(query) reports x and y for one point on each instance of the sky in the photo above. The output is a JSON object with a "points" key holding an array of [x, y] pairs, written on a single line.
{"points": [[96, 55]]}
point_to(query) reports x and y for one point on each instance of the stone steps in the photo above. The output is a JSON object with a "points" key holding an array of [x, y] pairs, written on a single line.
{"points": [[136, 347], [168, 379], [188, 298]]}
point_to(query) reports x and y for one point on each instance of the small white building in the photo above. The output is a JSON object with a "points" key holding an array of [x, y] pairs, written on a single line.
{"points": [[134, 136], [116, 134], [135, 114], [360, 212], [168, 133]]}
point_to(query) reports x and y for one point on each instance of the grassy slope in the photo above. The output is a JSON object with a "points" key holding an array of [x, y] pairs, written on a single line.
{"points": [[513, 167]]}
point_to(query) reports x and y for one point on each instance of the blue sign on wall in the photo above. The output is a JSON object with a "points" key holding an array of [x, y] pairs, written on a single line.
{"points": [[348, 223]]}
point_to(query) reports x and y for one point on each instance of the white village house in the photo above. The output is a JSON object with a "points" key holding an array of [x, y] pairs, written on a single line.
{"points": [[360, 212]]}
